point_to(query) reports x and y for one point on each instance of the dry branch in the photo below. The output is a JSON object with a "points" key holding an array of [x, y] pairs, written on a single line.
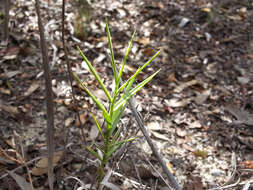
{"points": [[49, 98]]}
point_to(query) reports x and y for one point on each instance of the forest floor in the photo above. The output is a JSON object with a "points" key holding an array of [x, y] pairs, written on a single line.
{"points": [[198, 110]]}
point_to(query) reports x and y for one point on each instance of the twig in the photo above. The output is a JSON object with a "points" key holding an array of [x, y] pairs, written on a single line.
{"points": [[49, 99], [238, 183], [171, 178], [234, 169], [6, 20], [33, 160], [133, 182], [2, 151], [136, 170], [19, 167], [157, 172], [25, 164], [105, 179], [246, 186], [228, 186]]}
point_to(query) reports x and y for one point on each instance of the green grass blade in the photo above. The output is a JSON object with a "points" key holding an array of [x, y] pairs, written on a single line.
{"points": [[116, 118], [126, 140], [125, 58], [116, 146], [99, 148], [129, 86], [148, 62], [123, 86], [116, 135], [95, 100], [94, 153], [128, 83], [138, 71], [112, 149], [140, 85], [93, 71], [98, 126], [111, 52], [133, 91]]}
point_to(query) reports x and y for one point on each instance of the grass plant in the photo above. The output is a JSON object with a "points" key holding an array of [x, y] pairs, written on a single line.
{"points": [[117, 99]]}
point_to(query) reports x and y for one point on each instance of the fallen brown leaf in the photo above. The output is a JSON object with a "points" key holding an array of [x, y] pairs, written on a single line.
{"points": [[5, 91], [41, 166], [22, 183], [11, 53], [144, 41], [32, 88], [10, 109], [182, 86], [148, 52]]}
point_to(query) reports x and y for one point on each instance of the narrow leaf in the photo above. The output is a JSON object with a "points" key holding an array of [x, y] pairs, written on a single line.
{"points": [[129, 85], [94, 153], [107, 118], [147, 63], [111, 52], [93, 71], [115, 147], [126, 140], [127, 96], [138, 71], [99, 148], [98, 126], [125, 58], [95, 100], [123, 86], [140, 85], [116, 118], [112, 149], [116, 135]]}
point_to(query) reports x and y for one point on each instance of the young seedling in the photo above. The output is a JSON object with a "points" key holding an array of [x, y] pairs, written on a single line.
{"points": [[117, 103]]}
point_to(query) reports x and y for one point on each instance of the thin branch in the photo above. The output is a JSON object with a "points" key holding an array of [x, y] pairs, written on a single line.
{"points": [[136, 170], [21, 166], [171, 178], [6, 20], [49, 99], [25, 164]]}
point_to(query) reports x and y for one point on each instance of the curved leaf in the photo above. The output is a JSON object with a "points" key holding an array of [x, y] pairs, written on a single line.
{"points": [[93, 71], [95, 100], [129, 94], [125, 57], [98, 126], [94, 153]]}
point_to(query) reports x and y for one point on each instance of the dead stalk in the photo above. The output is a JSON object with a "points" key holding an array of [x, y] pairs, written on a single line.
{"points": [[6, 20], [49, 99]]}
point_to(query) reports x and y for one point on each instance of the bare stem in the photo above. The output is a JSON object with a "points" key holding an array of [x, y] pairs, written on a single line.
{"points": [[171, 178], [6, 19], [49, 99]]}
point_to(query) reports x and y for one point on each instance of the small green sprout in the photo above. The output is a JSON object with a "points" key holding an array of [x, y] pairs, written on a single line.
{"points": [[118, 100]]}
